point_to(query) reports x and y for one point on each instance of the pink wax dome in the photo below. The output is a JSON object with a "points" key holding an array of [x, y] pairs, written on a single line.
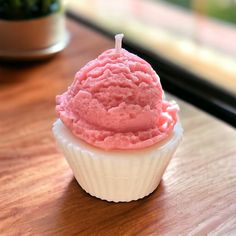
{"points": [[116, 102]]}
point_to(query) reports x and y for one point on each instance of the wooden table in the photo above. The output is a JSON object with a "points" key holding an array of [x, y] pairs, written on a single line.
{"points": [[39, 196]]}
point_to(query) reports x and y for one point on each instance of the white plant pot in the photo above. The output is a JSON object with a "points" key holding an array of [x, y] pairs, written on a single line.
{"points": [[33, 39]]}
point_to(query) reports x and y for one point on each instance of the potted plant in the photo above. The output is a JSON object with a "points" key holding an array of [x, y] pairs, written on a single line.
{"points": [[31, 28]]}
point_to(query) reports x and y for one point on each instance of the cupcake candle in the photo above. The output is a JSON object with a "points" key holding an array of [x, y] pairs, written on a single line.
{"points": [[115, 129]]}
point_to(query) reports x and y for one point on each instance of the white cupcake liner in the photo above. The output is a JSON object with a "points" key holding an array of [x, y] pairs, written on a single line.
{"points": [[118, 176]]}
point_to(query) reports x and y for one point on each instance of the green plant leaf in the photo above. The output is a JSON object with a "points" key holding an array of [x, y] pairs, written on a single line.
{"points": [[27, 9]]}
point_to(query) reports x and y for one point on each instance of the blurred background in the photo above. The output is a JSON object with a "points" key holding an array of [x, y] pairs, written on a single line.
{"points": [[190, 43]]}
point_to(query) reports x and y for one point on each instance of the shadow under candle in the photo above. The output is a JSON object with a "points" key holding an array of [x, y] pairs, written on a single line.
{"points": [[81, 213]]}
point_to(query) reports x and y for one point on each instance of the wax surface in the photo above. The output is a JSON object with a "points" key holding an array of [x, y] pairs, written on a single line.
{"points": [[116, 102]]}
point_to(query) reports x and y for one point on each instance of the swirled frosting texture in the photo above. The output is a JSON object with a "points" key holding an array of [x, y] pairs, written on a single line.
{"points": [[116, 102]]}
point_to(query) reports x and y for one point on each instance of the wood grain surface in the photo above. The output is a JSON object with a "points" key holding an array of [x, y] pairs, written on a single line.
{"points": [[39, 196]]}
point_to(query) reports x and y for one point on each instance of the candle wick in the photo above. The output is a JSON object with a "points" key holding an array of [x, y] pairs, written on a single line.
{"points": [[118, 42]]}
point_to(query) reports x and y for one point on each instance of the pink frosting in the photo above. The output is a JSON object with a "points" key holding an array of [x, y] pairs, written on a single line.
{"points": [[116, 102]]}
